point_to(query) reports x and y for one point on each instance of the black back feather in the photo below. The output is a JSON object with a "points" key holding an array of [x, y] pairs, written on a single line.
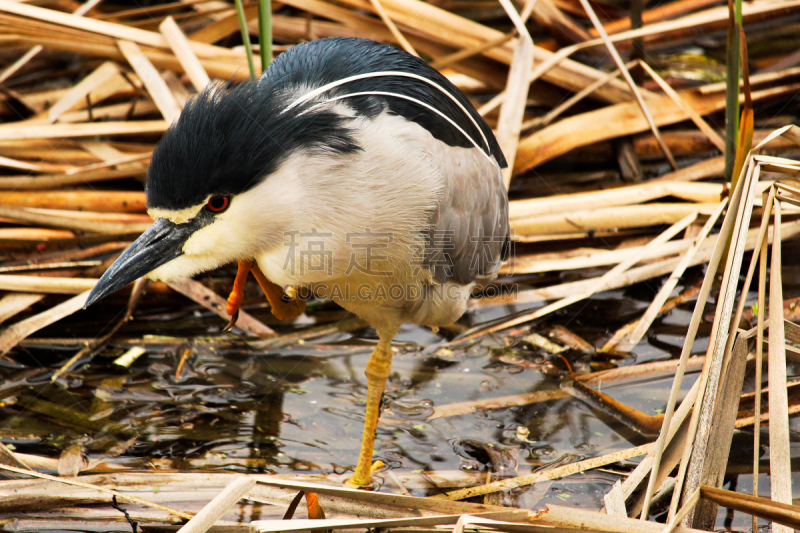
{"points": [[229, 137]]}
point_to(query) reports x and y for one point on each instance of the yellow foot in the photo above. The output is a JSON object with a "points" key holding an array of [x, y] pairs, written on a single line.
{"points": [[367, 484]]}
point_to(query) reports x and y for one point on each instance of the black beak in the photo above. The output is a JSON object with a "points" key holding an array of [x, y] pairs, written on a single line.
{"points": [[161, 243]]}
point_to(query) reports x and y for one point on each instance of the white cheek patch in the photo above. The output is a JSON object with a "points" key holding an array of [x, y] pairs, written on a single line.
{"points": [[223, 241], [255, 220], [179, 216], [205, 250], [181, 267], [216, 238]]}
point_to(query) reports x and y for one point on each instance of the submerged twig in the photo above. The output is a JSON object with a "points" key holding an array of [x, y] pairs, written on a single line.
{"points": [[553, 473], [136, 293]]}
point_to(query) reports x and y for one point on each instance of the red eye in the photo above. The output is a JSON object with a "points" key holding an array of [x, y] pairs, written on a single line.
{"points": [[218, 204]]}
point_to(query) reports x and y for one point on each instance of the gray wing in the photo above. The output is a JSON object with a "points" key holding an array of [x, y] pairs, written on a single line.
{"points": [[468, 233]]}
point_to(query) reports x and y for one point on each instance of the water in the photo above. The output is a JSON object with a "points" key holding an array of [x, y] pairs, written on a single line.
{"points": [[299, 409]]}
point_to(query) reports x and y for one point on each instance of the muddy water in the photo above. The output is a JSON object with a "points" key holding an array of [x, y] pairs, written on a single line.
{"points": [[300, 409]]}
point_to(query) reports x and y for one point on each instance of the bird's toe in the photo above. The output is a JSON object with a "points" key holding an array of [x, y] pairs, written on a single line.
{"points": [[370, 483]]}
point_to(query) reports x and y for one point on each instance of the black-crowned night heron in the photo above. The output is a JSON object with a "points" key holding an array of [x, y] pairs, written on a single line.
{"points": [[350, 169]]}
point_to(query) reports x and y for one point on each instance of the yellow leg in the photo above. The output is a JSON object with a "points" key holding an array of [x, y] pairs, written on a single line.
{"points": [[378, 369]]}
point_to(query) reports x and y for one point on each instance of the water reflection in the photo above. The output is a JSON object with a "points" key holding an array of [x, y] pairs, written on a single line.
{"points": [[299, 409]]}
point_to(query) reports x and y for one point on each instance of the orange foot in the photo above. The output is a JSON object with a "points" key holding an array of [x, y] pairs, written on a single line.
{"points": [[315, 511], [283, 307], [237, 292]]}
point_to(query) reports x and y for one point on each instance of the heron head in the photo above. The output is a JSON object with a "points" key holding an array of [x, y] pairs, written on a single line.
{"points": [[211, 186]]}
